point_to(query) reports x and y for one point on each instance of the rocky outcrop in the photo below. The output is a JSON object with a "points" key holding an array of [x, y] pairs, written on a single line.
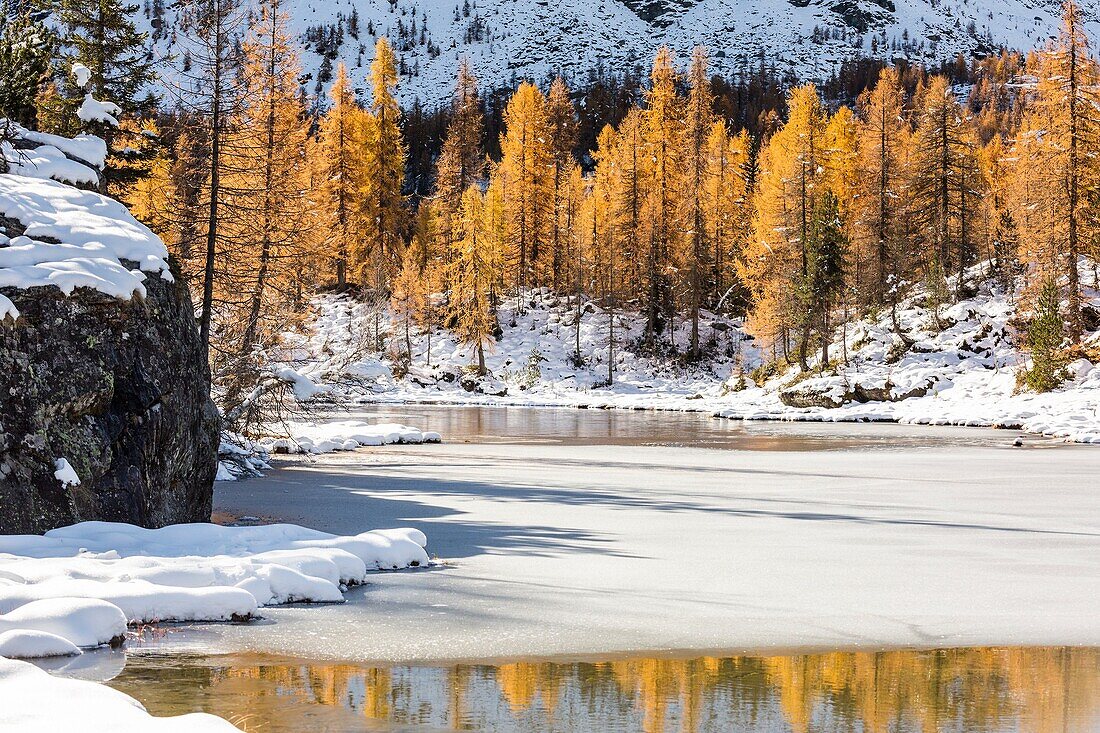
{"points": [[119, 389], [812, 394], [487, 385], [105, 410], [833, 392]]}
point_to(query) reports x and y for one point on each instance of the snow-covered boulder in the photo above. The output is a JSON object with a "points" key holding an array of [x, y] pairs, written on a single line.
{"points": [[104, 392]]}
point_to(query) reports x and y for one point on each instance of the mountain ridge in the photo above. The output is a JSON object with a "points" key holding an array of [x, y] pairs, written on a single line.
{"points": [[506, 40]]}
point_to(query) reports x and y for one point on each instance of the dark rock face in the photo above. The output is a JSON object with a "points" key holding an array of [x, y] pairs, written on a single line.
{"points": [[659, 13], [120, 389]]}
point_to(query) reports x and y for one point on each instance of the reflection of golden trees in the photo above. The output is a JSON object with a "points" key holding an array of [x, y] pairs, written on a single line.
{"points": [[1049, 690]]}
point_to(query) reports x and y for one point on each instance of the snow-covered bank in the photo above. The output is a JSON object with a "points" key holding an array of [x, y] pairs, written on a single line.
{"points": [[33, 701], [79, 587], [239, 457], [83, 584], [325, 437], [959, 369]]}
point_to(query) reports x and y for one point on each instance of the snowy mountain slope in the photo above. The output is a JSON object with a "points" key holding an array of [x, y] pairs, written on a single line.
{"points": [[510, 39]]}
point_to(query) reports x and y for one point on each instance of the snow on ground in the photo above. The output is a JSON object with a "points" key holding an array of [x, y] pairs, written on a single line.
{"points": [[79, 587], [33, 701], [84, 583], [240, 457], [961, 371]]}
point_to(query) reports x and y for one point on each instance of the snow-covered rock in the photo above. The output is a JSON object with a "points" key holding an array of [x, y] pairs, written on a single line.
{"points": [[83, 622], [32, 644], [325, 437]]}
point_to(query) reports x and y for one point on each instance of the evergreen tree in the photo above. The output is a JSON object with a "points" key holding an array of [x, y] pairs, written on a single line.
{"points": [[1044, 339], [101, 35], [26, 48], [822, 287]]}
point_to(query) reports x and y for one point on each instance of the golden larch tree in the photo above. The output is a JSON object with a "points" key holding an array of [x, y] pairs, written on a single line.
{"points": [[341, 172], [383, 205], [526, 180]]}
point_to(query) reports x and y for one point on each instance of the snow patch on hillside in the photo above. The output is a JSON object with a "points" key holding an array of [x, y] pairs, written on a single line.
{"points": [[961, 374]]}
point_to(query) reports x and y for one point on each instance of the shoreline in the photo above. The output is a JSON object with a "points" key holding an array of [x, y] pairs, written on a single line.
{"points": [[791, 415]]}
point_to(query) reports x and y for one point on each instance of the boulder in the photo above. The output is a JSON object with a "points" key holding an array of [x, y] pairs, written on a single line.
{"points": [[813, 394], [487, 385], [832, 392], [117, 388]]}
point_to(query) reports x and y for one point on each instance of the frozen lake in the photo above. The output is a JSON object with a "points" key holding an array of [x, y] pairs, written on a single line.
{"points": [[641, 571], [555, 541]]}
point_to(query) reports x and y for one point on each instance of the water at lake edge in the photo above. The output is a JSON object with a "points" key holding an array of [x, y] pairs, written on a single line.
{"points": [[572, 426], [972, 690]]}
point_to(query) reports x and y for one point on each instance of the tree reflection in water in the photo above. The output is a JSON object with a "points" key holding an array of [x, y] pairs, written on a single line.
{"points": [[1038, 690]]}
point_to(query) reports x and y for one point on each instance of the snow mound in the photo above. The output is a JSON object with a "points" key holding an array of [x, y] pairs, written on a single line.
{"points": [[48, 161], [31, 700], [30, 644], [308, 437], [83, 622], [75, 239], [86, 582], [7, 308], [93, 110]]}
